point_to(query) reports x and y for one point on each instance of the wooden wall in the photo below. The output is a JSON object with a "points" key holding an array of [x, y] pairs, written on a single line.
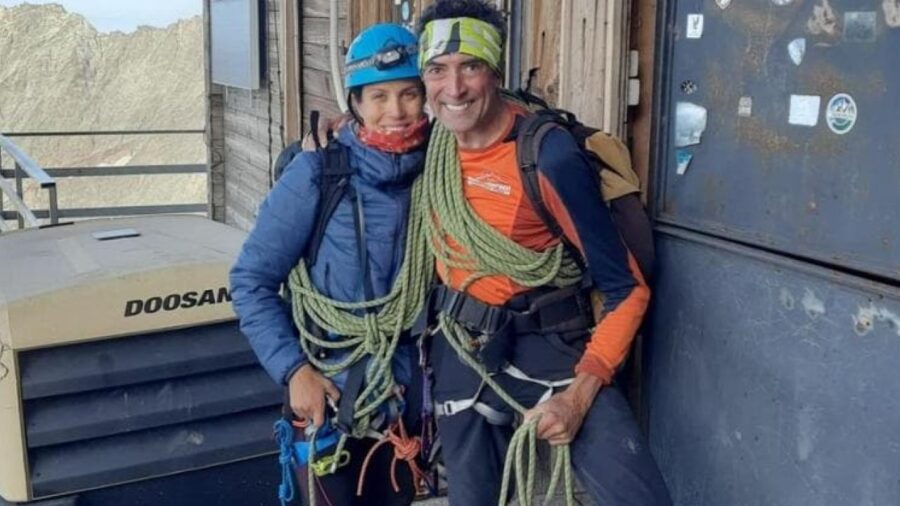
{"points": [[247, 126], [577, 46], [215, 130], [317, 89], [578, 49]]}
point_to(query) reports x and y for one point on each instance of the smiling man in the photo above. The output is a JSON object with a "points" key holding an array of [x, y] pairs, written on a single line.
{"points": [[515, 295]]}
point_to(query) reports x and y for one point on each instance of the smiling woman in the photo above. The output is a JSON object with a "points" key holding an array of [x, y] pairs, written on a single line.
{"points": [[339, 229], [390, 114]]}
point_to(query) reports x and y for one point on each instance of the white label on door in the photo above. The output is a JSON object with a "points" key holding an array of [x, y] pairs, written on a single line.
{"points": [[694, 26], [805, 110]]}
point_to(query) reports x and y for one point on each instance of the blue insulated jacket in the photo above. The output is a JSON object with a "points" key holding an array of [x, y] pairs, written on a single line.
{"points": [[284, 228]]}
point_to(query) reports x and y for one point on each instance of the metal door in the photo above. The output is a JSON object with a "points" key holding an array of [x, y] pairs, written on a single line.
{"points": [[772, 371], [783, 127]]}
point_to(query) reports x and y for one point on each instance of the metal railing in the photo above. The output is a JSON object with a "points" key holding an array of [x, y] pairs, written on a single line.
{"points": [[25, 167]]}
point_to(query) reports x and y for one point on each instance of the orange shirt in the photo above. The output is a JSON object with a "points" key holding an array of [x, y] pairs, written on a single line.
{"points": [[493, 186]]}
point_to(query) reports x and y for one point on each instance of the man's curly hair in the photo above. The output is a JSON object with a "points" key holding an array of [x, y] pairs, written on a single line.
{"points": [[478, 9]]}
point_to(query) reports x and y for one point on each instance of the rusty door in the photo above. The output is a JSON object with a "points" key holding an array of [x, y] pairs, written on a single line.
{"points": [[772, 374]]}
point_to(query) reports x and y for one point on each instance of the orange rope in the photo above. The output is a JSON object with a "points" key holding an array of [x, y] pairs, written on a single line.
{"points": [[405, 448]]}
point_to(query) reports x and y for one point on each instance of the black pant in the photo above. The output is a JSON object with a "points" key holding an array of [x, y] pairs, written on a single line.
{"points": [[339, 488], [609, 455]]}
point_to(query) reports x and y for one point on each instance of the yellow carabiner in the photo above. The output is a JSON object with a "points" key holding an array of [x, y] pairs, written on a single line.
{"points": [[329, 463]]}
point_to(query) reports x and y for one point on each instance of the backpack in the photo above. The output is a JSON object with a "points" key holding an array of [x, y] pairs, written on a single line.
{"points": [[334, 181], [619, 184]]}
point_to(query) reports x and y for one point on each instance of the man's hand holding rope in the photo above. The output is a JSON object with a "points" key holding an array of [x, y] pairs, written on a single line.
{"points": [[562, 414]]}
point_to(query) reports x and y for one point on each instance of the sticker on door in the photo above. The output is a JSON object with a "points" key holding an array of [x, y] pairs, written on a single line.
{"points": [[841, 113]]}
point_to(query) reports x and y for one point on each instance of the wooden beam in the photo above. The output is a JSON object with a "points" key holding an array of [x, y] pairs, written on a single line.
{"points": [[615, 61], [541, 47], [643, 26], [293, 111]]}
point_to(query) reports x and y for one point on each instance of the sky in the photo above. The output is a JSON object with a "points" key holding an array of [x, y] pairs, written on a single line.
{"points": [[125, 15]]}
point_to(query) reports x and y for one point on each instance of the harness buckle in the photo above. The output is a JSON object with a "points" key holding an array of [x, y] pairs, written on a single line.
{"points": [[453, 304], [447, 408], [495, 319]]}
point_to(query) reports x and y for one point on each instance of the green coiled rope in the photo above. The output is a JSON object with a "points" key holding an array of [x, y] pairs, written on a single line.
{"points": [[481, 249], [365, 329]]}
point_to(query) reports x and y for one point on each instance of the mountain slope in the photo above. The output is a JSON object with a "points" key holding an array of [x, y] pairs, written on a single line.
{"points": [[58, 73]]}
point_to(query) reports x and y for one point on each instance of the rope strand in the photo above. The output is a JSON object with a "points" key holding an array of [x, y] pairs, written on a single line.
{"points": [[459, 238], [370, 329]]}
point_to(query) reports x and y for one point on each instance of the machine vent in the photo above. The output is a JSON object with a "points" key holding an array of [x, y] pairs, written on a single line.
{"points": [[119, 410]]}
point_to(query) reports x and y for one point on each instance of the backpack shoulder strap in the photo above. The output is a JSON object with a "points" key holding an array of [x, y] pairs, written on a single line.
{"points": [[532, 130], [333, 184]]}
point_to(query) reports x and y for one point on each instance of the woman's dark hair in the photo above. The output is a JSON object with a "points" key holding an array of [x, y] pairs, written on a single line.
{"points": [[478, 9], [354, 92]]}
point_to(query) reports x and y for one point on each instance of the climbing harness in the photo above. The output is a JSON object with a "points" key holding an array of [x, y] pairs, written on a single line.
{"points": [[524, 438]]}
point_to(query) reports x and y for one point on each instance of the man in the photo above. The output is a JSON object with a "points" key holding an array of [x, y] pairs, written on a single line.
{"points": [[514, 293]]}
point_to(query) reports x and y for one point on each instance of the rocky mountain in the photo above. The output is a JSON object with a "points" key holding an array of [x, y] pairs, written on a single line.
{"points": [[58, 73]]}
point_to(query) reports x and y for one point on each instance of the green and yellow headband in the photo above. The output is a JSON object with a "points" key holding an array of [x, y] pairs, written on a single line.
{"points": [[470, 36]]}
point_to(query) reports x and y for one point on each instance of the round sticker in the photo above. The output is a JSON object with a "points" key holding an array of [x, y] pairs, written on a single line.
{"points": [[405, 11], [841, 113]]}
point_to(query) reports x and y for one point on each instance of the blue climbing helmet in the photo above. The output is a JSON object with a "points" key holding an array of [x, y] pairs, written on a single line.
{"points": [[383, 52]]}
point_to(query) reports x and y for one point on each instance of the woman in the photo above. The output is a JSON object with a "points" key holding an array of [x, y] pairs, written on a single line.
{"points": [[334, 229]]}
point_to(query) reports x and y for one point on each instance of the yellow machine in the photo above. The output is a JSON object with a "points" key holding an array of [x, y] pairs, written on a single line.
{"points": [[121, 363]]}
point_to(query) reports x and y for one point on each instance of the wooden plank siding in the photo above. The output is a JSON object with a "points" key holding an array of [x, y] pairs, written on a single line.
{"points": [[577, 46], [251, 131], [591, 79], [541, 47], [215, 130], [318, 89]]}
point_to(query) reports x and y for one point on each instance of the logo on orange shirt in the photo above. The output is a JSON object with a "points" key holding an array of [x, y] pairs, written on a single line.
{"points": [[490, 182]]}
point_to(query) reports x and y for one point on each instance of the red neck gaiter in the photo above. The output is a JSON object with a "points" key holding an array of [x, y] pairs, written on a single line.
{"points": [[396, 142]]}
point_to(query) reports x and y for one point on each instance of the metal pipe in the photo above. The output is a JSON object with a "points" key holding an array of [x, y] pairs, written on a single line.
{"points": [[22, 213], [104, 132], [1, 193], [333, 55], [19, 192], [514, 55], [25, 163], [101, 212], [119, 170], [54, 206]]}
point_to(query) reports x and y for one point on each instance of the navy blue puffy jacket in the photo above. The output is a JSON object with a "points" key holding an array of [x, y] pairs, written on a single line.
{"points": [[283, 230]]}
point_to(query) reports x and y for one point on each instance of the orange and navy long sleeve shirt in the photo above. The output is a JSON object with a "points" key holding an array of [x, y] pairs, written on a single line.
{"points": [[568, 182]]}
